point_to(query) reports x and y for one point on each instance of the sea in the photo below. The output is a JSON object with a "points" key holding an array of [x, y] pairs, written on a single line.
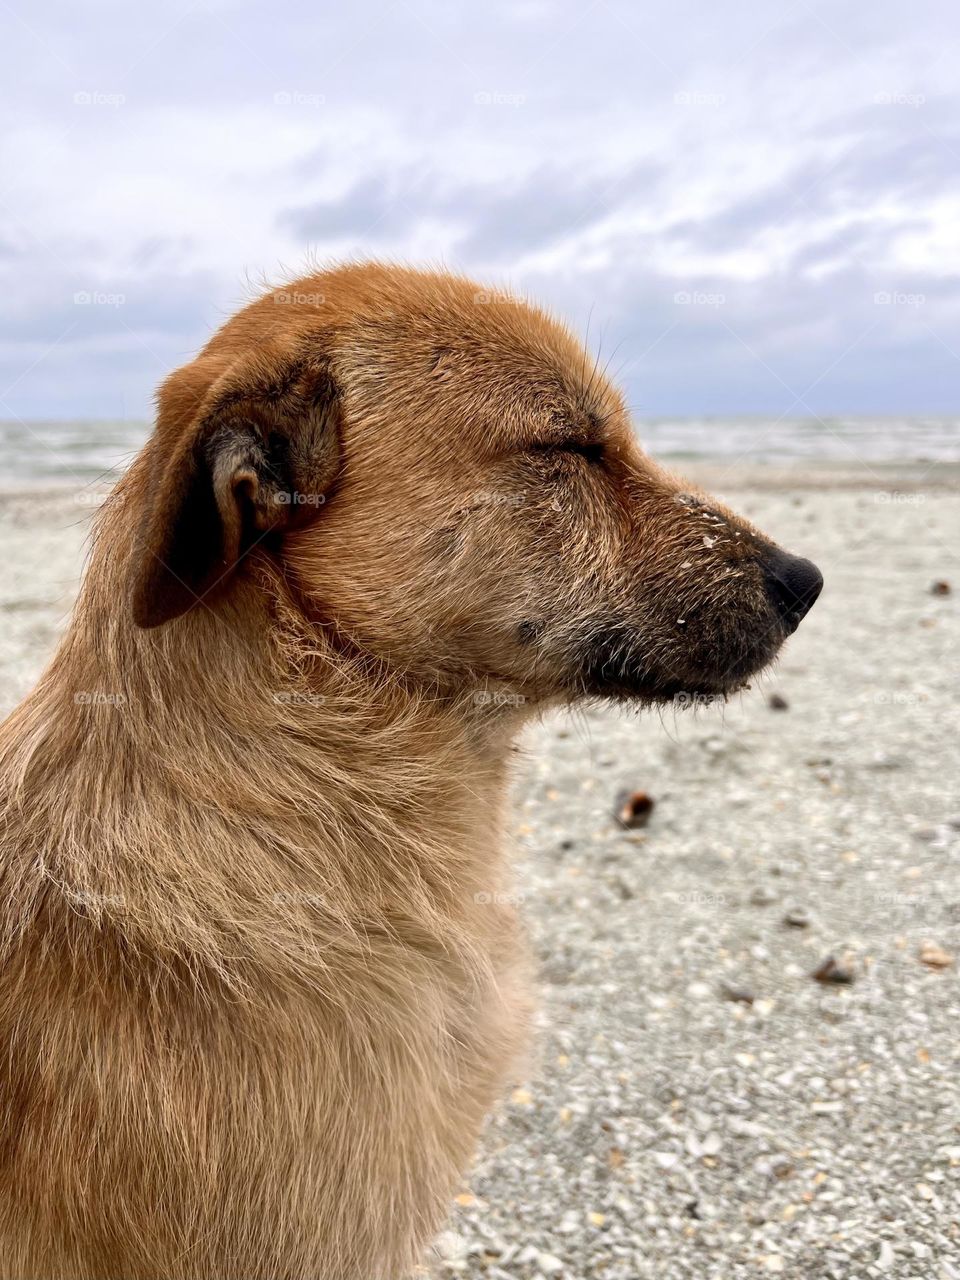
{"points": [[94, 454]]}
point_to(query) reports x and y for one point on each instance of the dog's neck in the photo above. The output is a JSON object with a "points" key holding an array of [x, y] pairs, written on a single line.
{"points": [[230, 784]]}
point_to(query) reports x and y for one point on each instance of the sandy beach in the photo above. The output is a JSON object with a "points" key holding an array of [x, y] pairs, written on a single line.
{"points": [[699, 1106]]}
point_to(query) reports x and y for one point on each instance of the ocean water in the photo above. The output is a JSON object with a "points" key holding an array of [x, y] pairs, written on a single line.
{"points": [[94, 454]]}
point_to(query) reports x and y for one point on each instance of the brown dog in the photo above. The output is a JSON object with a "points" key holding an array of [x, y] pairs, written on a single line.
{"points": [[261, 980]]}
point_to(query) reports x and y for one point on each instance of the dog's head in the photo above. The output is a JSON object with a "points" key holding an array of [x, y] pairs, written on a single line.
{"points": [[451, 487]]}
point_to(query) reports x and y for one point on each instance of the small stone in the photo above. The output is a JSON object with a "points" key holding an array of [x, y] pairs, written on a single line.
{"points": [[934, 956], [666, 1159], [886, 1257], [777, 702], [797, 918], [745, 1128], [885, 762], [633, 809], [940, 588], [738, 995], [711, 1145], [830, 971], [549, 1264]]}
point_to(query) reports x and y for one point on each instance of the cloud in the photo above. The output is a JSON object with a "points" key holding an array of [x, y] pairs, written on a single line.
{"points": [[796, 163]]}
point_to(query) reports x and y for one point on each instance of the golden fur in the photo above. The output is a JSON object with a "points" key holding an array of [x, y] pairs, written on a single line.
{"points": [[261, 976]]}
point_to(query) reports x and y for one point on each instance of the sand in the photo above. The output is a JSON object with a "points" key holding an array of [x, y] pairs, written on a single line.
{"points": [[698, 1105]]}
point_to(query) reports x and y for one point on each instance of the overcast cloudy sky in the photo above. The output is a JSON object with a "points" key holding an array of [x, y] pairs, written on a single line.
{"points": [[755, 207]]}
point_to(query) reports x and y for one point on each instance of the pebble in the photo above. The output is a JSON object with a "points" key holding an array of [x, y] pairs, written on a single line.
{"points": [[549, 1264], [831, 972], [633, 809], [738, 995], [934, 956]]}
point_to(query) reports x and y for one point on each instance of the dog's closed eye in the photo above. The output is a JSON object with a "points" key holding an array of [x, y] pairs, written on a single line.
{"points": [[591, 450]]}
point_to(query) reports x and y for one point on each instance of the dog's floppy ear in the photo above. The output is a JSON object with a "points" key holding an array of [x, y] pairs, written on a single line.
{"points": [[237, 455]]}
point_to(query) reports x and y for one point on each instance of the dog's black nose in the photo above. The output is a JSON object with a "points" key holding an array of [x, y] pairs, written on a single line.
{"points": [[793, 584]]}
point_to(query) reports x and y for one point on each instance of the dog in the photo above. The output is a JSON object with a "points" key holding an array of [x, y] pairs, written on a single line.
{"points": [[262, 979]]}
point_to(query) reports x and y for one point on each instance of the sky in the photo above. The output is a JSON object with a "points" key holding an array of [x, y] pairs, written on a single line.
{"points": [[745, 208]]}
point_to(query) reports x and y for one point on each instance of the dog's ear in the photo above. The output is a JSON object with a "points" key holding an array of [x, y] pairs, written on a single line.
{"points": [[238, 456]]}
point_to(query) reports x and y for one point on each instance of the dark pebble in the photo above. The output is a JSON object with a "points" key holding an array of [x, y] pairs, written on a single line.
{"points": [[633, 809], [739, 995], [833, 973]]}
